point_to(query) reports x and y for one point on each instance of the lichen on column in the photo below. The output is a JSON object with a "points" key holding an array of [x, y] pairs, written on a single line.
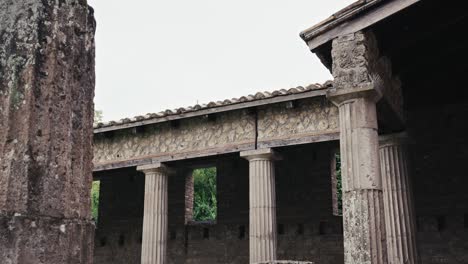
{"points": [[46, 117]]}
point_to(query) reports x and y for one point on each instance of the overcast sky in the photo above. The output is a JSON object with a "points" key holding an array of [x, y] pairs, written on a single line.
{"points": [[153, 55]]}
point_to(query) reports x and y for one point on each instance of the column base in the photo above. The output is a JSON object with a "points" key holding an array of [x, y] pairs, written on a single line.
{"points": [[45, 240]]}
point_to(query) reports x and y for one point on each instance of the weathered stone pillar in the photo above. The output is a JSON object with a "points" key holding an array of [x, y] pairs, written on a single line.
{"points": [[398, 200], [154, 243], [356, 91], [262, 194], [46, 130]]}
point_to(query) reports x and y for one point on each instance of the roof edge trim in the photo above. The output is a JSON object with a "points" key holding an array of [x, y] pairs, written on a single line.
{"points": [[352, 18]]}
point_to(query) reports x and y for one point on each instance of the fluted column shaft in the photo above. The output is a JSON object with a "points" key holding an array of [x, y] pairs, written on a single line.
{"points": [[262, 205], [398, 201], [364, 227], [154, 244]]}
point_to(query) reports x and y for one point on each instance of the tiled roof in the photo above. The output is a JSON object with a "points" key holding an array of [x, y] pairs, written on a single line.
{"points": [[199, 107], [339, 17]]}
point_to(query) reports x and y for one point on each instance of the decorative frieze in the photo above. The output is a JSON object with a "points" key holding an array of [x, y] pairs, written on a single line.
{"points": [[307, 120], [193, 136], [310, 117]]}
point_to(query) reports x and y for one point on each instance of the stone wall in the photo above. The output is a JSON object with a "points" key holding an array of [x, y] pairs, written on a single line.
{"points": [[302, 121], [307, 228], [46, 118]]}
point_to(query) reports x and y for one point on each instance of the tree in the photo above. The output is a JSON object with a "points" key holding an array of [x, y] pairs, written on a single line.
{"points": [[205, 203], [98, 116], [95, 200]]}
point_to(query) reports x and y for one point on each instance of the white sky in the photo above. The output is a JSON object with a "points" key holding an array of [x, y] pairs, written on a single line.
{"points": [[153, 55]]}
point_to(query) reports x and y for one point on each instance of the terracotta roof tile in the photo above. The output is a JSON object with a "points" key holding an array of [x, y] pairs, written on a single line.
{"points": [[197, 107]]}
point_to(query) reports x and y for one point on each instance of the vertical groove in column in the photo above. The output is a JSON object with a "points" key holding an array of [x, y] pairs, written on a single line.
{"points": [[262, 211], [155, 218], [398, 202], [363, 214]]}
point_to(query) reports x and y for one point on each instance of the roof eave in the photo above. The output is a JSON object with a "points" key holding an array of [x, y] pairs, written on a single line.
{"points": [[319, 91], [355, 17]]}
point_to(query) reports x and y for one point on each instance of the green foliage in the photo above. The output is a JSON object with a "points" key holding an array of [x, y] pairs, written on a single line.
{"points": [[98, 116], [204, 185], [95, 200], [339, 187]]}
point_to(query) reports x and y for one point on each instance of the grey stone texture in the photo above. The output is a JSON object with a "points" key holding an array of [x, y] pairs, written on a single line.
{"points": [[358, 67], [190, 136], [400, 219], [356, 92], [262, 205], [46, 117], [309, 117]]}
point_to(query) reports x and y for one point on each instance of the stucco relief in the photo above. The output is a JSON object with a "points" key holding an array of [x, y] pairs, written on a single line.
{"points": [[312, 116], [199, 134]]}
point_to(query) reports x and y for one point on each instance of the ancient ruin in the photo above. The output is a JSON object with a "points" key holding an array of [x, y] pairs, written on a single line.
{"points": [[389, 132], [398, 133], [46, 119]]}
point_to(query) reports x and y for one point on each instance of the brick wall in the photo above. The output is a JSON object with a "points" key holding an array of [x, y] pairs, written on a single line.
{"points": [[307, 229], [118, 233]]}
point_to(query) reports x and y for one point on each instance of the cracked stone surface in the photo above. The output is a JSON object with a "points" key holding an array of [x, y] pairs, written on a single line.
{"points": [[46, 113]]}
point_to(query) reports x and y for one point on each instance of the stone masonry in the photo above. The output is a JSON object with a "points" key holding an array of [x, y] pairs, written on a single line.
{"points": [[46, 116]]}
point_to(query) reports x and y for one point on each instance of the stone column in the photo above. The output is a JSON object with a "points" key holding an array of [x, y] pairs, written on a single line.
{"points": [[154, 245], [356, 91], [46, 131], [262, 223], [398, 200]]}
